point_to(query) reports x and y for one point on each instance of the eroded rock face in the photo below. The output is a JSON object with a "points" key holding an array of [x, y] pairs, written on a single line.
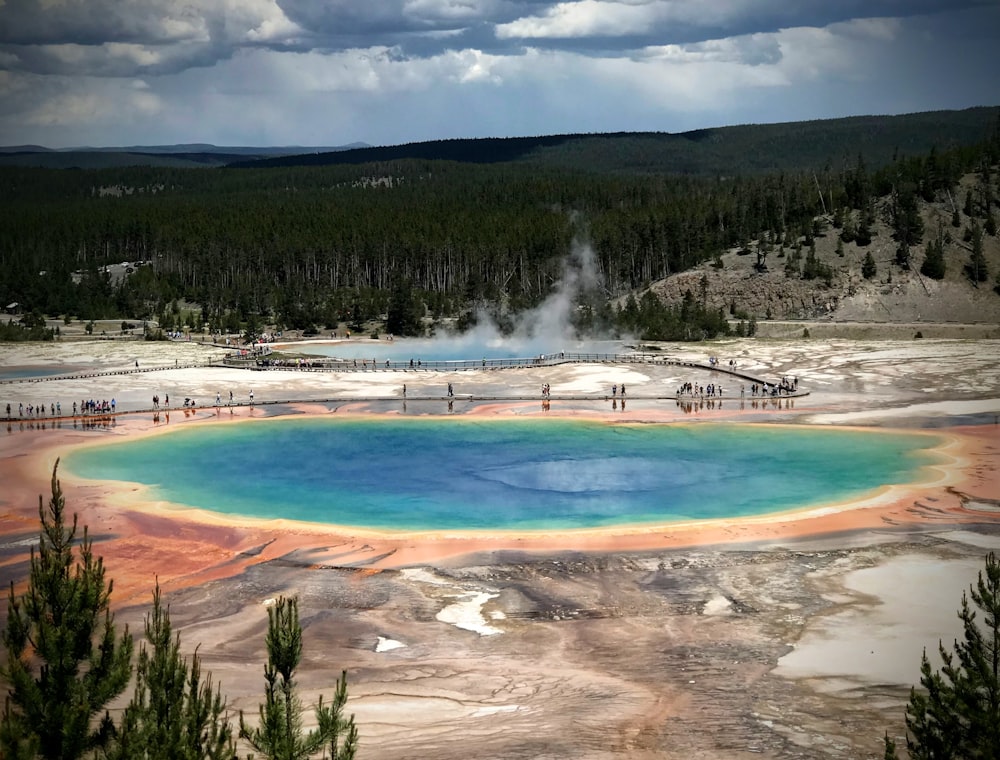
{"points": [[669, 654]]}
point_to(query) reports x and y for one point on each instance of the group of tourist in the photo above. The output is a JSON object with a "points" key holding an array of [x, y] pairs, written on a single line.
{"points": [[101, 407], [36, 411], [298, 363], [255, 350], [786, 387], [86, 406], [90, 406], [690, 389]]}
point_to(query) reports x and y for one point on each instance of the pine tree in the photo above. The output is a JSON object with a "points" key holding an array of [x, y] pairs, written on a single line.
{"points": [[863, 233], [849, 231], [868, 268], [64, 662], [956, 714], [908, 228], [280, 735], [934, 266], [404, 313], [172, 715], [976, 268], [890, 749]]}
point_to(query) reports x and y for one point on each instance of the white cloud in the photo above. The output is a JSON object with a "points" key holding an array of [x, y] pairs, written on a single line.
{"points": [[139, 55], [751, 50], [584, 18], [378, 71], [453, 10], [101, 106]]}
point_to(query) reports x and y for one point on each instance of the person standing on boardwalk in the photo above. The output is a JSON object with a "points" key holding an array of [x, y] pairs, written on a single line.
{"points": [[251, 397]]}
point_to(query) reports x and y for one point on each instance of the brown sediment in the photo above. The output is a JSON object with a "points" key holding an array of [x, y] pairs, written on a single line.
{"points": [[143, 540]]}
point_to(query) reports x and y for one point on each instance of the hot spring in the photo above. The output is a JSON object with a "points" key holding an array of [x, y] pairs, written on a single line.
{"points": [[469, 347], [431, 474]]}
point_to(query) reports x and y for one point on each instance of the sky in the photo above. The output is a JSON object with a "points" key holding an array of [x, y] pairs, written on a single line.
{"points": [[386, 72]]}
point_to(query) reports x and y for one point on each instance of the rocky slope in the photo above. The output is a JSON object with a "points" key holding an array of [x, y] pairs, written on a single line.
{"points": [[894, 295]]}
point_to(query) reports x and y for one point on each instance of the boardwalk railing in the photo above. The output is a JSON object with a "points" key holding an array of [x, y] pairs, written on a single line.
{"points": [[444, 365]]}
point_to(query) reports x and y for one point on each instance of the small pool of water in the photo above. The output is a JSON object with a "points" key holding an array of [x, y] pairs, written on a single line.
{"points": [[458, 348], [471, 474], [24, 372]]}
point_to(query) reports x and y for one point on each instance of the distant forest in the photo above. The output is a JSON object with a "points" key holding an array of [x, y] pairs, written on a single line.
{"points": [[411, 238]]}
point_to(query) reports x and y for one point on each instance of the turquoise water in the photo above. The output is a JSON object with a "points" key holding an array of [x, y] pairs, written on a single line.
{"points": [[431, 474], [462, 347], [20, 373]]}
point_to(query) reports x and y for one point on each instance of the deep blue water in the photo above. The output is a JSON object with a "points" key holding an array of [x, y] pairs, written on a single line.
{"points": [[432, 474]]}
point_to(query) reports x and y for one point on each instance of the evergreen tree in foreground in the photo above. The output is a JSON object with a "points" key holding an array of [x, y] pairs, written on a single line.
{"points": [[280, 735], [172, 715], [64, 663], [956, 713]]}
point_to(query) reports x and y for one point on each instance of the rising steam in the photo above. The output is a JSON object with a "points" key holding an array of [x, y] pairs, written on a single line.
{"points": [[548, 327]]}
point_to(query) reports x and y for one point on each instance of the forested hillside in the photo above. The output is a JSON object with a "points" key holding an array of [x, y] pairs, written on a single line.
{"points": [[311, 247], [723, 151]]}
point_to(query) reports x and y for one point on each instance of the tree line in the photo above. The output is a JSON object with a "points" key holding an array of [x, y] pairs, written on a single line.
{"points": [[65, 662], [312, 247]]}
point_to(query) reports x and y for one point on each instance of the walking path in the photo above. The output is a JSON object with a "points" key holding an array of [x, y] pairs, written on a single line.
{"points": [[99, 419], [261, 363]]}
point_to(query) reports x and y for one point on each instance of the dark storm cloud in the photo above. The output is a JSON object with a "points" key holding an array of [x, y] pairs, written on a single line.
{"points": [[93, 22], [212, 29], [325, 72]]}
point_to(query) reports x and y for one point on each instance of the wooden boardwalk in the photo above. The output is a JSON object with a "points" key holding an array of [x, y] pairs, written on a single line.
{"points": [[405, 368]]}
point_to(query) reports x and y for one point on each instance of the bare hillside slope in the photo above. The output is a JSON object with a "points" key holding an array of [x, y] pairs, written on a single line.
{"points": [[893, 295]]}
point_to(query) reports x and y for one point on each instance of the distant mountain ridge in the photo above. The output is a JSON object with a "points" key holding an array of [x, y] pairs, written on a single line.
{"points": [[719, 151], [187, 148], [184, 155], [752, 148]]}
